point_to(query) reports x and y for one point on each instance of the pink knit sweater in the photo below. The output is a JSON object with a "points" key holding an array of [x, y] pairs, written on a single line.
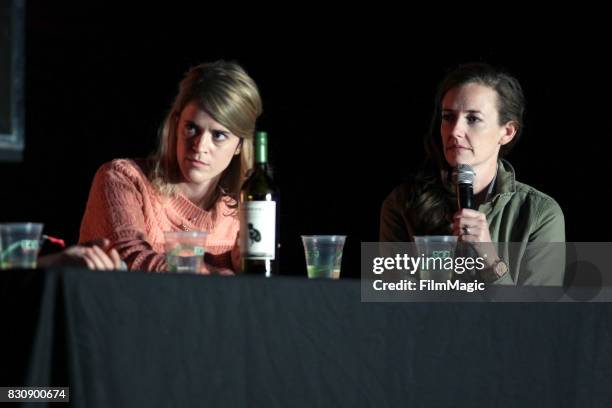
{"points": [[124, 207]]}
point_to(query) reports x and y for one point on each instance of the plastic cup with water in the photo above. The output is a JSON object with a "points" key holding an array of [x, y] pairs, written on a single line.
{"points": [[436, 251], [323, 255], [185, 250], [19, 244]]}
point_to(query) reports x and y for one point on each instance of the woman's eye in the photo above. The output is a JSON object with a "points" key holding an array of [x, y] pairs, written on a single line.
{"points": [[447, 117], [191, 129], [473, 119], [219, 136]]}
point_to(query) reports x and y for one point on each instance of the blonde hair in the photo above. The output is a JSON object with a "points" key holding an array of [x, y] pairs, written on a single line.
{"points": [[231, 97]]}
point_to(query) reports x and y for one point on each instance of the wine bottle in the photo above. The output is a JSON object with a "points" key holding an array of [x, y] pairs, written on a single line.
{"points": [[259, 216]]}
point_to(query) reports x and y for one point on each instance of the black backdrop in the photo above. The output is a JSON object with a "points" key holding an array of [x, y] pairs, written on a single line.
{"points": [[346, 102]]}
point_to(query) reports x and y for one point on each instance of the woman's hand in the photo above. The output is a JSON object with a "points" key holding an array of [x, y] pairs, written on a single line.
{"points": [[208, 269], [472, 226], [95, 254]]}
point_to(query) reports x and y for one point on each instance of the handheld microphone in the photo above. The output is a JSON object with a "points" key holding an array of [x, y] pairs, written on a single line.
{"points": [[463, 175]]}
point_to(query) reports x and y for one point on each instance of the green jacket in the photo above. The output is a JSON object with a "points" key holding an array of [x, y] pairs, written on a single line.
{"points": [[528, 225]]}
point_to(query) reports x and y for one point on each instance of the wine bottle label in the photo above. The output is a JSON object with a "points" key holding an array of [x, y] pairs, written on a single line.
{"points": [[258, 230]]}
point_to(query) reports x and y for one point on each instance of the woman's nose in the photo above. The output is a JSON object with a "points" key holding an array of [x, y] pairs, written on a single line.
{"points": [[202, 143], [458, 129]]}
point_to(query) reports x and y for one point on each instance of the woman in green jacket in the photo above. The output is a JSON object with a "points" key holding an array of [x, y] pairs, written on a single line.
{"points": [[478, 117]]}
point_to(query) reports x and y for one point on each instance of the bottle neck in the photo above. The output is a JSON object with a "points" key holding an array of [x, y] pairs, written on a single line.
{"points": [[261, 155], [261, 149], [262, 166]]}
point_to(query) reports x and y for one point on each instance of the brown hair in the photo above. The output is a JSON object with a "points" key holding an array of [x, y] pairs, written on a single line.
{"points": [[231, 97], [432, 200]]}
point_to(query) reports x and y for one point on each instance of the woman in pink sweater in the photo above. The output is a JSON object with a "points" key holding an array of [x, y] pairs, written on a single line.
{"points": [[193, 181]]}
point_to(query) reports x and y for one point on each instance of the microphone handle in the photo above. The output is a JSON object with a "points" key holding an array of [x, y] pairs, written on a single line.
{"points": [[465, 199], [465, 196]]}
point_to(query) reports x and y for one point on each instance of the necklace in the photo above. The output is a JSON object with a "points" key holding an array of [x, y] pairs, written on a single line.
{"points": [[190, 220]]}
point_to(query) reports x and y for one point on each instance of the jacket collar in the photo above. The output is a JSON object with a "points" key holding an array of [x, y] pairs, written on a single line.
{"points": [[505, 187], [506, 178]]}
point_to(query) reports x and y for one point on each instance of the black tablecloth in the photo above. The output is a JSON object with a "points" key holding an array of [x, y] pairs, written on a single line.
{"points": [[127, 339]]}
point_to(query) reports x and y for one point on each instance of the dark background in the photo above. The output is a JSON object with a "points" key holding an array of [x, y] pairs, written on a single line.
{"points": [[346, 103]]}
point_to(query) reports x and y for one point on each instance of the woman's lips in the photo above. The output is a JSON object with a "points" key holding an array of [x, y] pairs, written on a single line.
{"points": [[457, 148], [198, 163]]}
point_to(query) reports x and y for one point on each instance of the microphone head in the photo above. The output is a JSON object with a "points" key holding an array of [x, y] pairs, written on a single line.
{"points": [[463, 174]]}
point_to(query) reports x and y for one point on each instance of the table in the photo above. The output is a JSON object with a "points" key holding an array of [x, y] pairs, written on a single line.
{"points": [[138, 339]]}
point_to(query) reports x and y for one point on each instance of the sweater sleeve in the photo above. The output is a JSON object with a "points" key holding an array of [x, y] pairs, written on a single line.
{"points": [[115, 210], [236, 255]]}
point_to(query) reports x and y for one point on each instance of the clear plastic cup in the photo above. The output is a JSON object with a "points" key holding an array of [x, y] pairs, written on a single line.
{"points": [[436, 249], [19, 244], [185, 250], [323, 255]]}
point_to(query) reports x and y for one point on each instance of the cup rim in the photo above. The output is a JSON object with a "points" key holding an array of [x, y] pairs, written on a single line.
{"points": [[27, 224], [441, 238], [324, 236], [189, 234]]}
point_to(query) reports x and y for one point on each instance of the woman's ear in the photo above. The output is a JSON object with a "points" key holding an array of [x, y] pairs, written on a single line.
{"points": [[238, 148], [508, 132]]}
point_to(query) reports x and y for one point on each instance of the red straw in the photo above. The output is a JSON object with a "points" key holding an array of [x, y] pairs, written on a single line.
{"points": [[56, 241]]}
